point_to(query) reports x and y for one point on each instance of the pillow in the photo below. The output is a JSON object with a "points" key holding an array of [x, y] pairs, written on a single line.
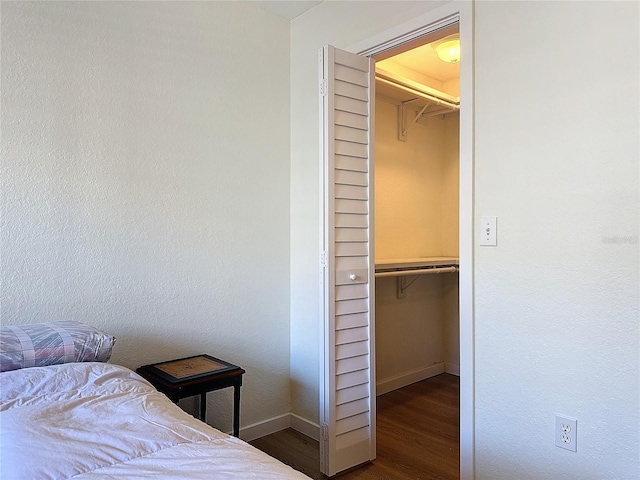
{"points": [[41, 344]]}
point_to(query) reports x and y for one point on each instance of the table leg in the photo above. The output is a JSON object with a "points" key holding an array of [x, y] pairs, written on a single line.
{"points": [[203, 407], [236, 411]]}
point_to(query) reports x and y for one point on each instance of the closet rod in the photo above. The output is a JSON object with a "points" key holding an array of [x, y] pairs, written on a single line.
{"points": [[421, 271], [431, 98]]}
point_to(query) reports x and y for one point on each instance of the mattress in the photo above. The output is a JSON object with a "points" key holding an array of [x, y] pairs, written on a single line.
{"points": [[96, 420]]}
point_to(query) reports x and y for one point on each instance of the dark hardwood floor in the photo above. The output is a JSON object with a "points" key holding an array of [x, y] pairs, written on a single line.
{"points": [[417, 437]]}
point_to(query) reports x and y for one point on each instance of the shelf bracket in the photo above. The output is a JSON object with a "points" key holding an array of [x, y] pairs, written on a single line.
{"points": [[401, 282], [401, 288], [402, 285], [403, 128]]}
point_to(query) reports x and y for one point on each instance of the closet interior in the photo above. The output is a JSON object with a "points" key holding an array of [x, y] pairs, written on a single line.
{"points": [[416, 214]]}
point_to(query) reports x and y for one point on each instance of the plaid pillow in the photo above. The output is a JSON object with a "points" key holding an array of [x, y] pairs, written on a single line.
{"points": [[41, 344]]}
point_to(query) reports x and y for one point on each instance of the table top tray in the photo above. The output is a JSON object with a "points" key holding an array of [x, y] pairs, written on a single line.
{"points": [[189, 368]]}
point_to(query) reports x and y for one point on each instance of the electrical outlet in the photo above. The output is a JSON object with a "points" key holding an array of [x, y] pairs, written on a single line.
{"points": [[566, 433]]}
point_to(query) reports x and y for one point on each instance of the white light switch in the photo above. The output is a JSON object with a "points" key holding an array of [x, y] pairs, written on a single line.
{"points": [[489, 231]]}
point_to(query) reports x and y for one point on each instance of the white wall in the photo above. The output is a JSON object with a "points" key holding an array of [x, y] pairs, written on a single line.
{"points": [[410, 332], [556, 158], [416, 215], [408, 186], [451, 187], [145, 182]]}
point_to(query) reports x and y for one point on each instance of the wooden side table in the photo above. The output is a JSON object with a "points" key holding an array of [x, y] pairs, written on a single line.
{"points": [[197, 375]]}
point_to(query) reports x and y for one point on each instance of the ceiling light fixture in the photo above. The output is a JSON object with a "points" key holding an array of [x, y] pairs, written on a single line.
{"points": [[449, 51]]}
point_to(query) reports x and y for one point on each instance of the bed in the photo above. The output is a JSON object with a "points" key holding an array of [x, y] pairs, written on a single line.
{"points": [[91, 419]]}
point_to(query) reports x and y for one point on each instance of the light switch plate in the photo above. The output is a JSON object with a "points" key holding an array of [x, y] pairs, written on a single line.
{"points": [[489, 231]]}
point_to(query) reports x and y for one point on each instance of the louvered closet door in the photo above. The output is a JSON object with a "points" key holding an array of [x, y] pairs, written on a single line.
{"points": [[348, 383]]}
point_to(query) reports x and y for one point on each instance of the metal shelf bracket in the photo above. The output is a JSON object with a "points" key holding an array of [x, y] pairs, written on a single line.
{"points": [[403, 128]]}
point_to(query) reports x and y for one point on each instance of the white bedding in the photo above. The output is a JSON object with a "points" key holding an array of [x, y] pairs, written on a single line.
{"points": [[96, 420]]}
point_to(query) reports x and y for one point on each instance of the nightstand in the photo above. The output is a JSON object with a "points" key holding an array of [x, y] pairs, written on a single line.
{"points": [[197, 375]]}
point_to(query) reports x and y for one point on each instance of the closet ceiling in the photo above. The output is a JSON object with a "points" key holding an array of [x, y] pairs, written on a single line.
{"points": [[425, 61], [417, 68]]}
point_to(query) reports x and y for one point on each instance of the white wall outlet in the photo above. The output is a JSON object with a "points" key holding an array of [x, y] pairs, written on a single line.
{"points": [[566, 433], [489, 231]]}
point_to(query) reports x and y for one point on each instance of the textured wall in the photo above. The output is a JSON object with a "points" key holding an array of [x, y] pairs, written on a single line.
{"points": [[145, 182], [557, 160]]}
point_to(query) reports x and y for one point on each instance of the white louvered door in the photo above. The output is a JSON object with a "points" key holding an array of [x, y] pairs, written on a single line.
{"points": [[347, 410]]}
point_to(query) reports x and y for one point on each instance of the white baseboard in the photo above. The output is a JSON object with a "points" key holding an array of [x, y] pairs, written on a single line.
{"points": [[312, 430], [304, 426], [273, 425], [267, 427], [452, 368], [413, 377]]}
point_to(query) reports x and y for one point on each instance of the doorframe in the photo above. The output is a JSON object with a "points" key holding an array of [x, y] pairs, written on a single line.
{"points": [[402, 34]]}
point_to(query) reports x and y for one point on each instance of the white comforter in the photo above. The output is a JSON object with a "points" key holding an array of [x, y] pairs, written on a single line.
{"points": [[95, 420]]}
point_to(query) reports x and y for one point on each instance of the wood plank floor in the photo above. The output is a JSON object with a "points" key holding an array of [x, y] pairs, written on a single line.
{"points": [[417, 437]]}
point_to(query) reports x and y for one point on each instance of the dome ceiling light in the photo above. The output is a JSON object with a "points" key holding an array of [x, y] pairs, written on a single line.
{"points": [[449, 50]]}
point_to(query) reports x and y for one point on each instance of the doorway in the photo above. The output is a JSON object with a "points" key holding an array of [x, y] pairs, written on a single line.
{"points": [[417, 214], [347, 273], [416, 250], [389, 42]]}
